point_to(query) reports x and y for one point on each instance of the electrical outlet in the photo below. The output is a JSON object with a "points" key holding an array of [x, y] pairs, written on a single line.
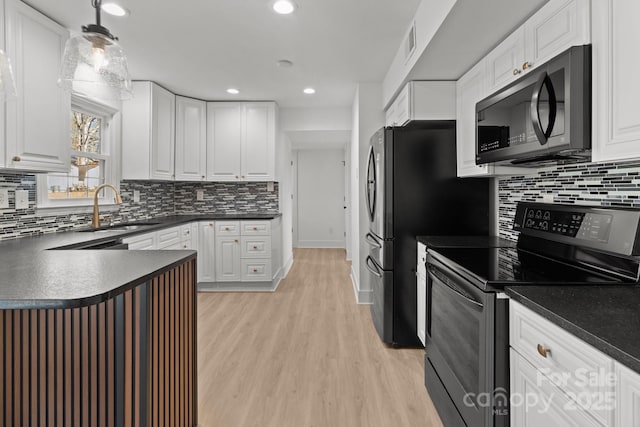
{"points": [[136, 196], [22, 199], [270, 186], [200, 195], [4, 199]]}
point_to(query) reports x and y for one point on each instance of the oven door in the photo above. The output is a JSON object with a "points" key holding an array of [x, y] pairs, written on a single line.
{"points": [[460, 343]]}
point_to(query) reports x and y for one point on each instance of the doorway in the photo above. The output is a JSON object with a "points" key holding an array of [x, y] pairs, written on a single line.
{"points": [[319, 198]]}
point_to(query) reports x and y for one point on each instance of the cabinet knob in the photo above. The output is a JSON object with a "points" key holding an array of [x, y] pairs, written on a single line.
{"points": [[210, 224], [185, 246], [255, 228], [236, 240], [242, 176], [226, 229], [516, 72], [16, 158], [255, 247], [543, 351], [255, 270], [526, 65], [237, 176]]}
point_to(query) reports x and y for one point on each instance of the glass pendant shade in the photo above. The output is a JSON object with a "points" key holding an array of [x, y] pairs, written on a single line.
{"points": [[7, 83], [95, 65]]}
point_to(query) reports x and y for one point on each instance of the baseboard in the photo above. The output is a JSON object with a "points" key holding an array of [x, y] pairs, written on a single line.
{"points": [[287, 266], [239, 286], [362, 297]]}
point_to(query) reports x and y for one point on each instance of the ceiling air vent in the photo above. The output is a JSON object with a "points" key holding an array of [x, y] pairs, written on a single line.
{"points": [[410, 42]]}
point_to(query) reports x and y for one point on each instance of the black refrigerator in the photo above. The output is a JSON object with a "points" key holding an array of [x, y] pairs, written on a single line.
{"points": [[412, 189]]}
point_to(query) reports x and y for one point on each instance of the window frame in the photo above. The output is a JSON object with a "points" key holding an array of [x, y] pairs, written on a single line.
{"points": [[110, 118]]}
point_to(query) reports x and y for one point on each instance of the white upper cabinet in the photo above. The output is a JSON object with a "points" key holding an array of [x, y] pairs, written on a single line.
{"points": [[37, 122], [470, 89], [224, 135], [616, 85], [557, 26], [148, 133], [504, 63], [191, 139], [241, 141], [423, 100], [554, 28], [259, 142]]}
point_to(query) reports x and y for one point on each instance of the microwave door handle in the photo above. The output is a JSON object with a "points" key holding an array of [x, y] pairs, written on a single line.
{"points": [[372, 267], [543, 134]]}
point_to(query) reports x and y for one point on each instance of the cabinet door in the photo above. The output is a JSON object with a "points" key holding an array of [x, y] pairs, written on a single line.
{"points": [[616, 89], [469, 89], [422, 306], [402, 106], [504, 63], [628, 397], [37, 127], [228, 259], [258, 148], [224, 140], [191, 139], [163, 116], [559, 25], [142, 241], [206, 251], [536, 402], [390, 115]]}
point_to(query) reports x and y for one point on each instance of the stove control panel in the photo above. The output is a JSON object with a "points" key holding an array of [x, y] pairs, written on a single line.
{"points": [[605, 228], [579, 225]]}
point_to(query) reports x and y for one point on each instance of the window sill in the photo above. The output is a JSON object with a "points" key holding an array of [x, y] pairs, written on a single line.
{"points": [[70, 209]]}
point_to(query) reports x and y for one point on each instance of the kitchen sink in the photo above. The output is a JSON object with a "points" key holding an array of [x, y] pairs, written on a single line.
{"points": [[129, 226]]}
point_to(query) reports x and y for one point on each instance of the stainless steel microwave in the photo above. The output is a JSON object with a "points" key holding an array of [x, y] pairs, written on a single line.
{"points": [[542, 118]]}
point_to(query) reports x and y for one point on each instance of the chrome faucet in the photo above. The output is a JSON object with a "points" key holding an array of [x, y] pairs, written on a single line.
{"points": [[95, 222]]}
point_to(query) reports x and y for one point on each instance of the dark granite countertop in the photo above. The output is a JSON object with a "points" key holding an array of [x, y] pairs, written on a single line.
{"points": [[35, 274], [606, 317]]}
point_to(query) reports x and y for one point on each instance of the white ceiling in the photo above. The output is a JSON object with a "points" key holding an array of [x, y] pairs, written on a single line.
{"points": [[200, 48]]}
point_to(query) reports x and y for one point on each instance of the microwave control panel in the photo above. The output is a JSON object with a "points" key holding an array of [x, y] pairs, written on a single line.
{"points": [[579, 225]]}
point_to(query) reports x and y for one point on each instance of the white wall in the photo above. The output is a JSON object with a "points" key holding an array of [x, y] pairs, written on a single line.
{"points": [[368, 117], [284, 175], [320, 199], [347, 202], [314, 119]]}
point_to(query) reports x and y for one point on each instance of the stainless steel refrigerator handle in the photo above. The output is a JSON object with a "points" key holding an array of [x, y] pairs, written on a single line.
{"points": [[433, 273], [371, 241], [375, 272], [371, 205], [543, 135]]}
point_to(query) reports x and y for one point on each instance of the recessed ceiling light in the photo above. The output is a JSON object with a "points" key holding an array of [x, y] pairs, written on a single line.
{"points": [[233, 91], [285, 63], [309, 91], [114, 9], [284, 7]]}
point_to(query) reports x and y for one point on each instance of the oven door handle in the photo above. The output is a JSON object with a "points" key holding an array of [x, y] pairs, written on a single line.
{"points": [[453, 289], [372, 241], [372, 267]]}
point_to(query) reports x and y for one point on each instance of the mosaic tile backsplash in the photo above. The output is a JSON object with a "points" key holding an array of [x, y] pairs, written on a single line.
{"points": [[593, 184], [156, 199]]}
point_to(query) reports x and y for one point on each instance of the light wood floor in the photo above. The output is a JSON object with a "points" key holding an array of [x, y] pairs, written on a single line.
{"points": [[306, 355]]}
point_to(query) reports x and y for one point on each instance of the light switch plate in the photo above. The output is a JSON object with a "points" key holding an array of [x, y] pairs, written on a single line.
{"points": [[4, 199], [200, 195], [270, 186], [22, 199], [136, 196]]}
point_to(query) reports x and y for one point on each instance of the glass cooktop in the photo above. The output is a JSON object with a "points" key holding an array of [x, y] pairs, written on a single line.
{"points": [[499, 267]]}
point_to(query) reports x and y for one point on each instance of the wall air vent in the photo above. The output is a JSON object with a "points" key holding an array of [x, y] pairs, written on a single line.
{"points": [[410, 43]]}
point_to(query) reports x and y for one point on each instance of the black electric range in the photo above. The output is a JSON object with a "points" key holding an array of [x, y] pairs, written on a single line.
{"points": [[466, 352]]}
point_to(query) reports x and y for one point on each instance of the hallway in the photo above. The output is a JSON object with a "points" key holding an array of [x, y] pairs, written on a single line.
{"points": [[306, 355]]}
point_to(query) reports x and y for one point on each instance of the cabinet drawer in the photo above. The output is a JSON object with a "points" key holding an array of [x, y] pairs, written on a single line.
{"points": [[141, 242], [256, 228], [185, 232], [227, 228], [256, 270], [255, 247], [574, 366], [178, 246], [169, 237]]}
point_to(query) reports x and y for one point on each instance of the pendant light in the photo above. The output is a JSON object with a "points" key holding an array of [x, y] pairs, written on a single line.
{"points": [[94, 64], [7, 83]]}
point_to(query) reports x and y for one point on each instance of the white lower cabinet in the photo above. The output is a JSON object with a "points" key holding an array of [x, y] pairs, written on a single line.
{"points": [[536, 402], [146, 241], [255, 270], [628, 397], [206, 251], [421, 292], [228, 259]]}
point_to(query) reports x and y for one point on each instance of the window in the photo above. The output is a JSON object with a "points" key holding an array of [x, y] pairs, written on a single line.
{"points": [[90, 159]]}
